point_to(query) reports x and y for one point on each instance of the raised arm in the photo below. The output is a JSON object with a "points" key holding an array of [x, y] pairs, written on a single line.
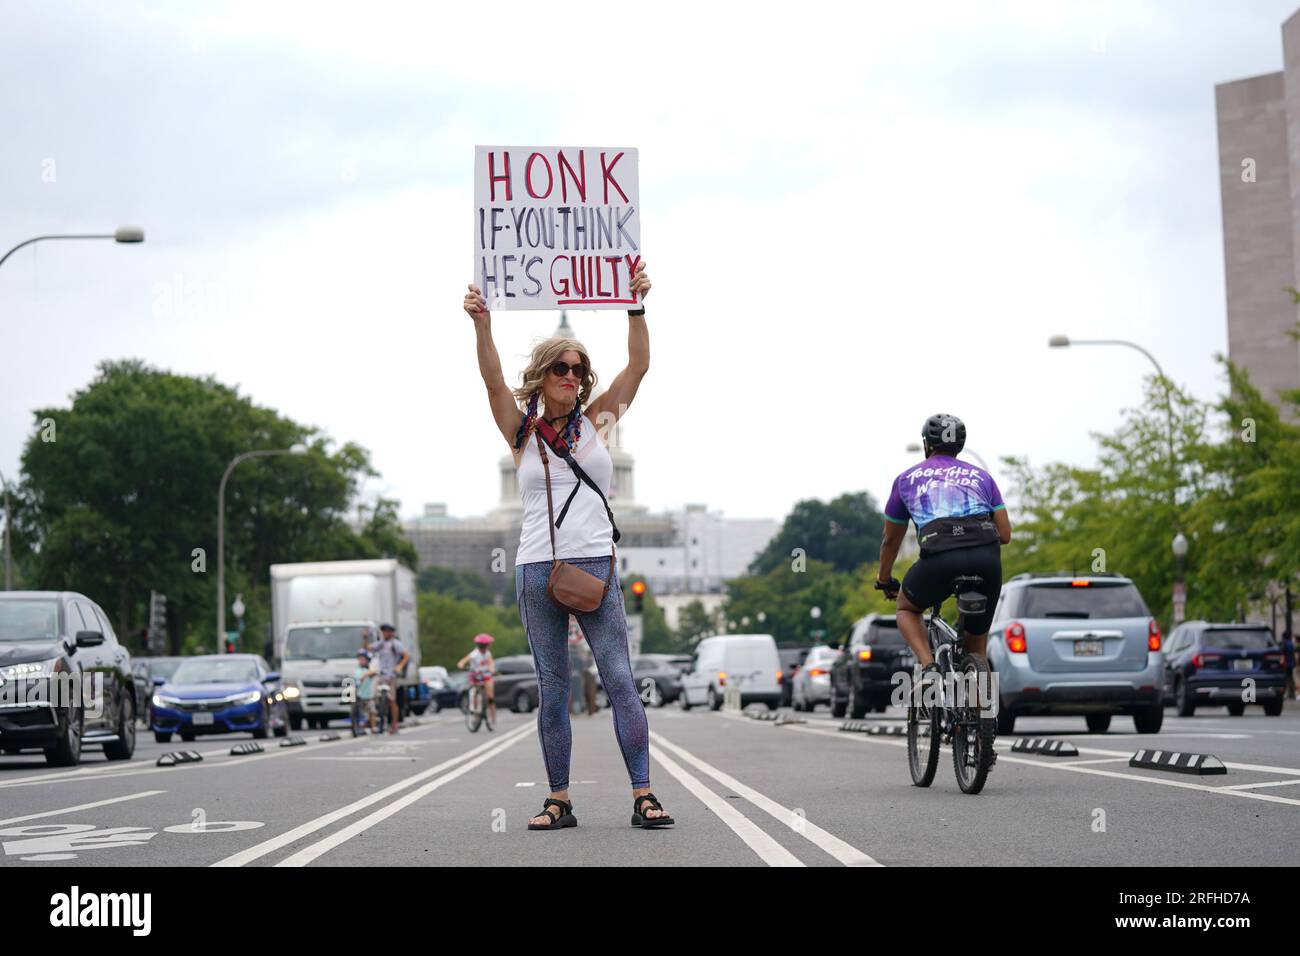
{"points": [[505, 411], [612, 403]]}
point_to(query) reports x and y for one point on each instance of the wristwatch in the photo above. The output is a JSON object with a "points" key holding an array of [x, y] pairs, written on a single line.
{"points": [[640, 311]]}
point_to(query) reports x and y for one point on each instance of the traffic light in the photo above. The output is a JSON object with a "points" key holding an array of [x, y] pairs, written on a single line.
{"points": [[230, 646], [157, 639], [638, 596]]}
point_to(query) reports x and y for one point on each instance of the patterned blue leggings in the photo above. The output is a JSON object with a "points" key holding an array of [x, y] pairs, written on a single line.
{"points": [[547, 627]]}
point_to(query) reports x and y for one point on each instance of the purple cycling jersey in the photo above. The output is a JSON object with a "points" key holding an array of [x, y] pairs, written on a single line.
{"points": [[941, 487]]}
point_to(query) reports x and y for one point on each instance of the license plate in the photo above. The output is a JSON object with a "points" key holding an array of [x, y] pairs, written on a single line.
{"points": [[1089, 648], [202, 720], [1246, 664]]}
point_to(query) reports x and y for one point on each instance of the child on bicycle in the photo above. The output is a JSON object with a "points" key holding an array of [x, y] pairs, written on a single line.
{"points": [[481, 669], [364, 680]]}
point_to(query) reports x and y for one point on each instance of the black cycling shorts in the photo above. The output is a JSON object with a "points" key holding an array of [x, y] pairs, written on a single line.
{"points": [[932, 580]]}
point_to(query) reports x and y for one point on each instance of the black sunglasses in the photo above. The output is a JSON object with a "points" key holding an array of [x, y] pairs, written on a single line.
{"points": [[561, 369]]}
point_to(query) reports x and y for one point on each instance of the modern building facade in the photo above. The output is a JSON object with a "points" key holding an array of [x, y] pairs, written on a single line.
{"points": [[1259, 183]]}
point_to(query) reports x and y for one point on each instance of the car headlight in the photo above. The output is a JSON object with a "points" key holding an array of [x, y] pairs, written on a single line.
{"points": [[252, 697], [292, 692], [160, 701], [33, 669]]}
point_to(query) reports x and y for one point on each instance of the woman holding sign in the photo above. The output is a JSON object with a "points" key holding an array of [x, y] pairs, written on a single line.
{"points": [[566, 563]]}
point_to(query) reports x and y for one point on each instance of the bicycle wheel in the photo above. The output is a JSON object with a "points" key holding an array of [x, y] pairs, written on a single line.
{"points": [[922, 738], [474, 715], [487, 714], [973, 735]]}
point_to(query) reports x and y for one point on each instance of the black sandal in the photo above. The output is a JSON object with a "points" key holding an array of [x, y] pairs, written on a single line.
{"points": [[565, 819], [648, 823]]}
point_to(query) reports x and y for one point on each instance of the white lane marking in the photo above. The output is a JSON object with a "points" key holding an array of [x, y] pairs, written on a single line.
{"points": [[1004, 756], [844, 852], [94, 773], [81, 806], [318, 849], [311, 826], [345, 757], [526, 783], [768, 850], [1270, 783]]}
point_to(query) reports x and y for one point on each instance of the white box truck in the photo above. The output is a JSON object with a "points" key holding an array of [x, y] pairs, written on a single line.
{"points": [[320, 612]]}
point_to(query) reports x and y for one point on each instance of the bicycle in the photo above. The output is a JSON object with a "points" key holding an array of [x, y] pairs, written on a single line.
{"points": [[951, 719], [476, 709]]}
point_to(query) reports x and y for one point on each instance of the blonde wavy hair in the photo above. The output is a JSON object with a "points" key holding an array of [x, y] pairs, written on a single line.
{"points": [[545, 354]]}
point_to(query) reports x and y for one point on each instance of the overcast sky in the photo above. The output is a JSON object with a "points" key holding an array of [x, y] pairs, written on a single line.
{"points": [[853, 217]]}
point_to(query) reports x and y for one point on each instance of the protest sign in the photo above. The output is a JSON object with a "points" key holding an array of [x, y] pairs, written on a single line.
{"points": [[556, 227]]}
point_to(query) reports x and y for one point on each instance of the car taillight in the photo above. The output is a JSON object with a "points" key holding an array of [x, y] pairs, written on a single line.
{"points": [[1153, 636], [1015, 635], [722, 677], [817, 672], [1275, 658], [864, 654], [778, 676]]}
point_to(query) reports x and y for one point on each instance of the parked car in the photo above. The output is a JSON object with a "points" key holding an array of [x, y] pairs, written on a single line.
{"points": [[144, 670], [1208, 664], [749, 661], [657, 677], [65, 681], [516, 683], [791, 660], [862, 676], [812, 681], [438, 692], [219, 694], [455, 693], [1077, 645]]}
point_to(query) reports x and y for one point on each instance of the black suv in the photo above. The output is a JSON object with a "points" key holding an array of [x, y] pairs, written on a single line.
{"points": [[1209, 664], [65, 680], [862, 677]]}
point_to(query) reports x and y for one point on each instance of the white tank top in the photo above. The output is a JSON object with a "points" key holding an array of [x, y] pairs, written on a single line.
{"points": [[586, 532]]}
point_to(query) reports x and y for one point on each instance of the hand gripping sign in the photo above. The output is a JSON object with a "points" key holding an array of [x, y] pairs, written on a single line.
{"points": [[556, 227]]}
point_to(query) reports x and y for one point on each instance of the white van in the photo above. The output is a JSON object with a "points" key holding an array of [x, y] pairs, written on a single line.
{"points": [[749, 660]]}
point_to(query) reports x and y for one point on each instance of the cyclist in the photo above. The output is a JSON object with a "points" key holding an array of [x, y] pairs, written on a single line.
{"points": [[392, 659], [961, 524], [364, 680], [481, 669]]}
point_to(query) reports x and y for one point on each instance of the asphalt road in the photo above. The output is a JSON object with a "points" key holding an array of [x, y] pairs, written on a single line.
{"points": [[744, 792]]}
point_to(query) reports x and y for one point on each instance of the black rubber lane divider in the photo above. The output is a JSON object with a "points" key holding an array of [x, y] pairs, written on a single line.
{"points": [[293, 742], [1044, 745], [241, 749], [1202, 765], [784, 718], [876, 730], [326, 738], [174, 757]]}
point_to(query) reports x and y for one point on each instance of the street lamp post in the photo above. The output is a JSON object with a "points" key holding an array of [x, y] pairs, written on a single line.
{"points": [[1064, 342], [120, 234], [298, 449], [9, 533], [1180, 588]]}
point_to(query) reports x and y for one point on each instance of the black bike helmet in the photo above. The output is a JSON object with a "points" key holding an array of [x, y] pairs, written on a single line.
{"points": [[946, 433]]}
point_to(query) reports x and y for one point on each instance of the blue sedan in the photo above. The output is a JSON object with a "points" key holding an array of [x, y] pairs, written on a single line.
{"points": [[219, 694]]}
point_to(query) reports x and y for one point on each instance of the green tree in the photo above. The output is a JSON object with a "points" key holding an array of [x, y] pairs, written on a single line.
{"points": [[448, 625], [693, 623], [118, 496], [844, 533], [469, 585], [786, 598]]}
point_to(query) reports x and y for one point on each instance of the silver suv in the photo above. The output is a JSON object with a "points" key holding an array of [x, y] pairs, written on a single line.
{"points": [[1076, 645]]}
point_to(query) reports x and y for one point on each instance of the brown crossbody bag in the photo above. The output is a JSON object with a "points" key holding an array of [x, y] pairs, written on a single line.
{"points": [[575, 590]]}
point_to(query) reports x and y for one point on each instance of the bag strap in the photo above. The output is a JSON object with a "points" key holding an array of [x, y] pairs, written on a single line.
{"points": [[561, 448], [550, 508]]}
